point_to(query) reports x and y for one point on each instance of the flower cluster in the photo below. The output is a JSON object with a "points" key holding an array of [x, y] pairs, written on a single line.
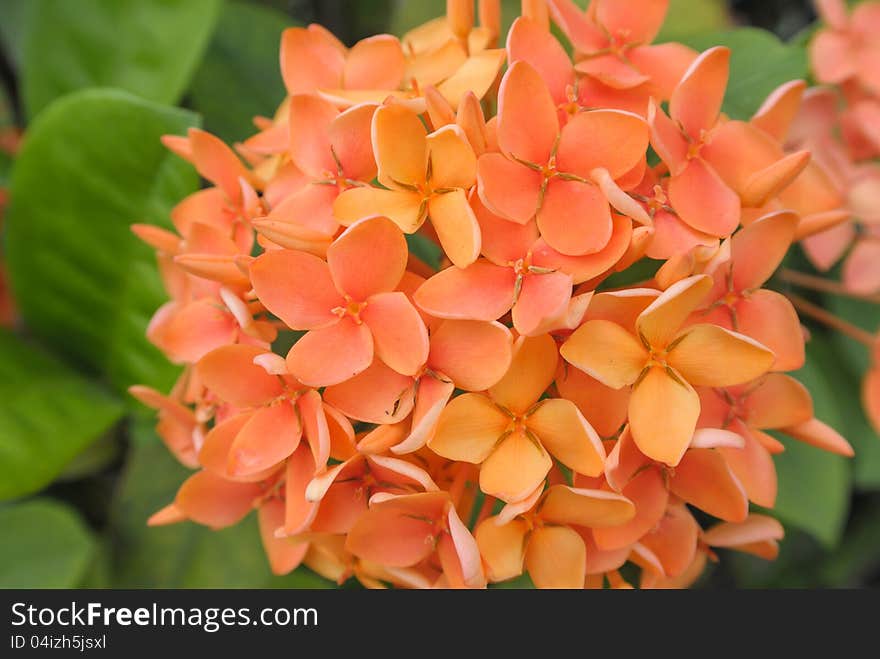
{"points": [[509, 408]]}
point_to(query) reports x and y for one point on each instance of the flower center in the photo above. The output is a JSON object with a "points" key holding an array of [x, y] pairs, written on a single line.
{"points": [[352, 308]]}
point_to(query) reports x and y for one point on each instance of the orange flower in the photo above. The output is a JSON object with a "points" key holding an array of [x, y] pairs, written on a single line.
{"points": [[368, 71], [512, 431], [348, 304], [565, 178], [429, 177], [661, 361], [611, 42], [542, 539], [421, 525], [332, 152]]}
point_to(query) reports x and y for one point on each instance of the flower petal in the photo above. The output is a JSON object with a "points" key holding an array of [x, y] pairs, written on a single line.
{"points": [[531, 371], [508, 188], [647, 491], [586, 267], [514, 468], [453, 163], [822, 436], [296, 287], [769, 318], [376, 395], [400, 146], [605, 408], [474, 354], [663, 412], [298, 510], [413, 536], [433, 394], [468, 429], [660, 321], [703, 479], [696, 101], [213, 501], [754, 469], [779, 401], [590, 508], [575, 218], [331, 355], [704, 200], [456, 226], [674, 541], [531, 43], [369, 258], [527, 121], [310, 119], [757, 250], [350, 138], [482, 291], [230, 373], [606, 352], [284, 555], [268, 437], [610, 139], [708, 355], [502, 547], [755, 528], [542, 297], [568, 436], [556, 558], [326, 59], [376, 62], [400, 338], [402, 207]]}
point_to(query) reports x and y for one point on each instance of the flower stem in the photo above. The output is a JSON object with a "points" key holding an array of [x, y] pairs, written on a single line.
{"points": [[803, 280], [826, 318]]}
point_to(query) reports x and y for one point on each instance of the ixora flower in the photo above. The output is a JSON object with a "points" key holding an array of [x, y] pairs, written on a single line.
{"points": [[399, 340]]}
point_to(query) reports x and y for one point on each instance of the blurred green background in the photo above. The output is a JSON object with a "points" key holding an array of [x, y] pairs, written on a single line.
{"points": [[93, 84]]}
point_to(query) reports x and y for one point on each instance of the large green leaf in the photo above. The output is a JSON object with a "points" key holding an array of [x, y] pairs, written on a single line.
{"points": [[91, 166], [240, 76], [48, 414], [148, 47], [814, 486], [183, 555], [759, 63], [45, 545]]}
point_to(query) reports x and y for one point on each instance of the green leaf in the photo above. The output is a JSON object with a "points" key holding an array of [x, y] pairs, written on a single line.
{"points": [[759, 63], [814, 486], [48, 414], [45, 545], [93, 165], [239, 77], [687, 17], [146, 47], [182, 555]]}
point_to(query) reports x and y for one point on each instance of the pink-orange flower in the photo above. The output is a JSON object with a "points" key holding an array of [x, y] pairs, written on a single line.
{"points": [[565, 177], [847, 47], [348, 304]]}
